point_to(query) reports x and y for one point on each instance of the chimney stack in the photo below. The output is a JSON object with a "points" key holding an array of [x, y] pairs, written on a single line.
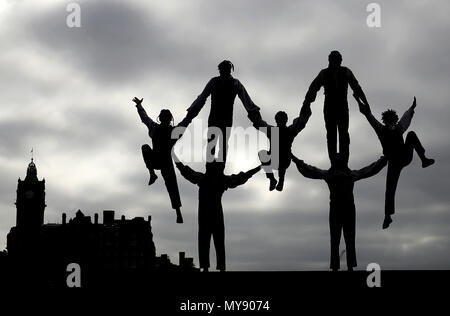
{"points": [[182, 257], [64, 218], [108, 217]]}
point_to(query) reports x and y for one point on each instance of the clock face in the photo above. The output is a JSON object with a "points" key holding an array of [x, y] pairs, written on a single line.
{"points": [[29, 194]]}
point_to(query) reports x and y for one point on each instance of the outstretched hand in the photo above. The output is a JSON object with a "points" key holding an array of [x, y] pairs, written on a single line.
{"points": [[254, 116], [294, 158], [414, 103], [137, 101], [363, 107]]}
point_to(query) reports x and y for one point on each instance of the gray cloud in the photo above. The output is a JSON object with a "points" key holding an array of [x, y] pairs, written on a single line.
{"points": [[67, 93]]}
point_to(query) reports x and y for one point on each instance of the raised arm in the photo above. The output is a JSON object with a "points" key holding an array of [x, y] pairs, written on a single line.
{"points": [[189, 174], [300, 122], [198, 104], [259, 123], [315, 86], [364, 108], [187, 119], [245, 98], [235, 180], [151, 125], [357, 90], [309, 171], [370, 170], [406, 119]]}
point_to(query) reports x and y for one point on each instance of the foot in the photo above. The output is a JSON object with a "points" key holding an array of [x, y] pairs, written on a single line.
{"points": [[273, 184], [427, 162], [387, 221], [280, 186], [205, 270], [153, 178], [179, 216]]}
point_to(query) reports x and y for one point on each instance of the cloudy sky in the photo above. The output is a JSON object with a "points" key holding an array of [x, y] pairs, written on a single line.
{"points": [[66, 92]]}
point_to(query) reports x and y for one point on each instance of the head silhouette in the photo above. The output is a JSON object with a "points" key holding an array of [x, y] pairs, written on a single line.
{"points": [[334, 59], [165, 117], [225, 68], [339, 163], [281, 118], [389, 117], [214, 168]]}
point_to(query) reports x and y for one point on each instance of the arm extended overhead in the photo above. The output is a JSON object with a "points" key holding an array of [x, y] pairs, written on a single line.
{"points": [[143, 115], [406, 119]]}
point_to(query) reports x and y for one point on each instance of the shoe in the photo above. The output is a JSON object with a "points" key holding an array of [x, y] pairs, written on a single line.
{"points": [[179, 216], [427, 162], [387, 221], [280, 186], [153, 178], [273, 184]]}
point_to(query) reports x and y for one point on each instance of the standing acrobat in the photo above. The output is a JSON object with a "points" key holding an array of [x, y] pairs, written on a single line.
{"points": [[399, 152], [223, 90], [211, 186], [283, 148], [341, 180], [335, 79], [159, 157]]}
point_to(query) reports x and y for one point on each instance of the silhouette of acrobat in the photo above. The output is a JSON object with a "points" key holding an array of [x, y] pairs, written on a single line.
{"points": [[398, 152], [340, 180], [212, 184], [286, 136], [335, 79], [160, 156], [223, 90]]}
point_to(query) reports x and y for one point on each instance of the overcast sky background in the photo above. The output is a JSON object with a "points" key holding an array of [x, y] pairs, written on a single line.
{"points": [[67, 93]]}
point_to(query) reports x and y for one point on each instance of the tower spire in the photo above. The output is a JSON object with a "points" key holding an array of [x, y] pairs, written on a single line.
{"points": [[31, 170]]}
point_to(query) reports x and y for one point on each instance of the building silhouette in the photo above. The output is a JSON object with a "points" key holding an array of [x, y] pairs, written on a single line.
{"points": [[122, 249]]}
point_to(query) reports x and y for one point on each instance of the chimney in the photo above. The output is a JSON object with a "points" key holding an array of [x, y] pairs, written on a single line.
{"points": [[64, 218], [108, 217], [182, 256], [149, 220], [96, 218], [122, 218]]}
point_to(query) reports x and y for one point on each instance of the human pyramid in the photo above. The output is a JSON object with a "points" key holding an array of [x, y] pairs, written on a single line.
{"points": [[223, 89]]}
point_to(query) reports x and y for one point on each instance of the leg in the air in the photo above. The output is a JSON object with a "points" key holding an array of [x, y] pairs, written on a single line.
{"points": [[264, 155], [148, 154], [393, 174], [281, 176], [412, 143], [170, 180]]}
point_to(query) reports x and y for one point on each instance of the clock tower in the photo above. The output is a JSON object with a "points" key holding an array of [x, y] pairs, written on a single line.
{"points": [[30, 202]]}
